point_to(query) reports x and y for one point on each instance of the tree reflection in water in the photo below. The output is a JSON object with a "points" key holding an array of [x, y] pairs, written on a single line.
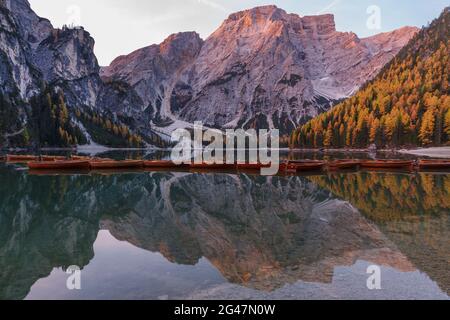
{"points": [[259, 232]]}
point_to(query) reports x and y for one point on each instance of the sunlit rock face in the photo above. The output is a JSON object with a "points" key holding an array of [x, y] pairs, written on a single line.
{"points": [[33, 52], [66, 59], [20, 30], [150, 70], [34, 55], [262, 68]]}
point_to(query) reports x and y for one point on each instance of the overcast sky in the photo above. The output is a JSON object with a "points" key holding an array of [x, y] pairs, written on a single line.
{"points": [[122, 26]]}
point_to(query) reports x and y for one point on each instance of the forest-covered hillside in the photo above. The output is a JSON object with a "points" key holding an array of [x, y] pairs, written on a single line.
{"points": [[407, 104]]}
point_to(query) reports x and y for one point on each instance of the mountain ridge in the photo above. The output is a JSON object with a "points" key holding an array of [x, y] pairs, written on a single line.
{"points": [[269, 74], [259, 54]]}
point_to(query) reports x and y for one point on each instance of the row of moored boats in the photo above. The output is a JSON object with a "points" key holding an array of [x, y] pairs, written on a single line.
{"points": [[87, 163]]}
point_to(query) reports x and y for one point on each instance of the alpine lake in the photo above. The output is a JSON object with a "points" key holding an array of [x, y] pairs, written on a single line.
{"points": [[210, 235]]}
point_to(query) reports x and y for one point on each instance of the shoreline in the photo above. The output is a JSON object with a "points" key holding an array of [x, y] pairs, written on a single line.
{"points": [[434, 152], [437, 152]]}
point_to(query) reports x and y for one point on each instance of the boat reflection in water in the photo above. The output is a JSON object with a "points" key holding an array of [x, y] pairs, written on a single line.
{"points": [[188, 235]]}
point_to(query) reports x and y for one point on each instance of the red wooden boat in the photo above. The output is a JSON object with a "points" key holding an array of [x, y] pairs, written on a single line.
{"points": [[83, 158], [434, 164], [344, 164], [58, 165], [387, 164], [307, 165], [20, 159], [107, 164], [98, 159], [53, 158]]}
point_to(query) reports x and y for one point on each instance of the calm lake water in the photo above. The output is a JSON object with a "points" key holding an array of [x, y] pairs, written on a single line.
{"points": [[226, 236]]}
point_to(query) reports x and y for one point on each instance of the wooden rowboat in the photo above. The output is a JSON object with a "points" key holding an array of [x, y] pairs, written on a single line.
{"points": [[387, 164], [20, 159], [58, 165], [344, 164], [54, 158], [116, 164], [434, 164], [82, 158], [307, 165], [98, 159]]}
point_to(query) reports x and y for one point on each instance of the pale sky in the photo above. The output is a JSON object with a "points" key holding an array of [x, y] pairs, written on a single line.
{"points": [[122, 26]]}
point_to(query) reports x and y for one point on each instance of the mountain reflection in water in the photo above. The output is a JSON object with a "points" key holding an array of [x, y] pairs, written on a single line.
{"points": [[260, 233]]}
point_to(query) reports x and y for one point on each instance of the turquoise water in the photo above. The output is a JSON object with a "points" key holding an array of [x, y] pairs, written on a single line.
{"points": [[224, 236]]}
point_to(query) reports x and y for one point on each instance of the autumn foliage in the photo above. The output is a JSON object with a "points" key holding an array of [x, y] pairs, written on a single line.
{"points": [[408, 103], [388, 196]]}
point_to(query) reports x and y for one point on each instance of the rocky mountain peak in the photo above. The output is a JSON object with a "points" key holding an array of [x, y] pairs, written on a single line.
{"points": [[263, 67], [182, 44], [32, 28], [262, 17], [75, 58], [179, 45], [264, 12], [266, 68], [321, 24], [39, 53], [150, 70], [389, 40]]}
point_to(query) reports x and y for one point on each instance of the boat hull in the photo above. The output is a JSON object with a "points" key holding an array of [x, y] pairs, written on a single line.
{"points": [[434, 165], [344, 165], [58, 165], [387, 164], [20, 159], [55, 158], [307, 165]]}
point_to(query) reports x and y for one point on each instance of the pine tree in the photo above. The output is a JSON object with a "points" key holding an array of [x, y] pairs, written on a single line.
{"points": [[427, 129], [328, 137], [447, 124]]}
